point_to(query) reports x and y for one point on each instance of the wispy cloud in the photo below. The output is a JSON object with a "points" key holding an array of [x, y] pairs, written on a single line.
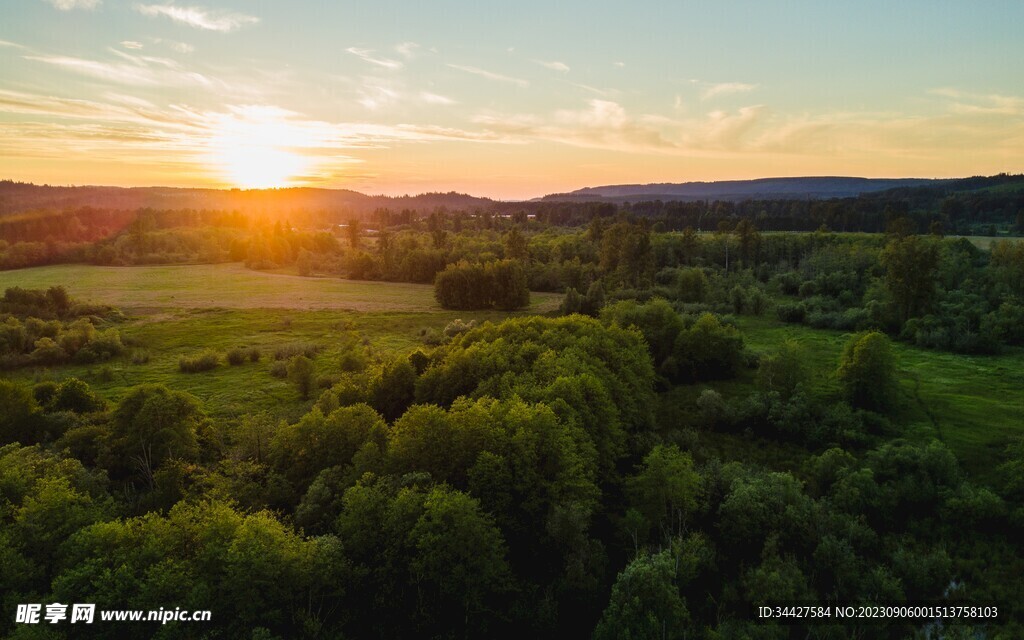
{"points": [[619, 65], [68, 5], [131, 44], [965, 102], [554, 65], [603, 124], [13, 45], [433, 98], [199, 17], [725, 88], [408, 50], [367, 56], [140, 71], [490, 75]]}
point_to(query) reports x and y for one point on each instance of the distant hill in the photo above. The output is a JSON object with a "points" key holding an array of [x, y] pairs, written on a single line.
{"points": [[17, 197], [760, 189]]}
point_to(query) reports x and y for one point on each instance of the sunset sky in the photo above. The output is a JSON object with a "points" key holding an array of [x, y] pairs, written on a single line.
{"points": [[508, 100]]}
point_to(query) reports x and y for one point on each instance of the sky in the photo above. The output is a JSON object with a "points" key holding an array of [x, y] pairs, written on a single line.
{"points": [[508, 100]]}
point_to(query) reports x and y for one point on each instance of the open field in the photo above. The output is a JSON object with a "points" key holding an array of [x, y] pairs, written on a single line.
{"points": [[176, 311], [232, 286]]}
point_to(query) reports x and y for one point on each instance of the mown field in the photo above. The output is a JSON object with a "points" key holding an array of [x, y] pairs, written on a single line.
{"points": [[231, 286]]}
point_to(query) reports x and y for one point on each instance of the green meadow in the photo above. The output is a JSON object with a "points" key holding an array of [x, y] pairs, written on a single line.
{"points": [[175, 311]]}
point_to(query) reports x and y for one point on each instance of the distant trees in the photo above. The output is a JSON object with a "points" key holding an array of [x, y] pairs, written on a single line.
{"points": [[499, 285]]}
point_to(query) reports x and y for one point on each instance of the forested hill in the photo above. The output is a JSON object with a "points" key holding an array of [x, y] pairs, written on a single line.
{"points": [[17, 197], [761, 189]]}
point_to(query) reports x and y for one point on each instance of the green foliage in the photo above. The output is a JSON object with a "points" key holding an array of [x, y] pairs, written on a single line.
{"points": [[302, 373], [150, 426], [646, 603], [784, 370], [499, 285], [664, 492], [656, 320], [707, 350], [202, 361], [867, 372], [911, 264], [19, 414], [316, 442], [263, 574]]}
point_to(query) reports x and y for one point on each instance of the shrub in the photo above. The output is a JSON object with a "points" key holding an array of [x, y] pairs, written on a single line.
{"points": [[140, 356], [253, 354], [236, 356], [279, 369], [203, 361], [289, 351], [791, 312]]}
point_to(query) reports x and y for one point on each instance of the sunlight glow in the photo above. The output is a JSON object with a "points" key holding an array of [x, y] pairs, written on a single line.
{"points": [[257, 148]]}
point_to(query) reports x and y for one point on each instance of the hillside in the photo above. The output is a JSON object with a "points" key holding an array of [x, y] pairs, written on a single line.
{"points": [[763, 189], [17, 197]]}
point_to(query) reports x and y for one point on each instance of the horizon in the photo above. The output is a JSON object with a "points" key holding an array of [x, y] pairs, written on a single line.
{"points": [[510, 105], [442, 191]]}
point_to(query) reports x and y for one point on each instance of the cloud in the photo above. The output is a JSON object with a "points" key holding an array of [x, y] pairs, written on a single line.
{"points": [[433, 98], [554, 65], [603, 124], [407, 50], [725, 88], [490, 75], [618, 65], [14, 45], [131, 44], [199, 17], [367, 56], [965, 102], [68, 5], [140, 71]]}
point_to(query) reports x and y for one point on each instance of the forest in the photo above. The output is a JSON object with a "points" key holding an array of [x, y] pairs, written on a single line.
{"points": [[734, 405]]}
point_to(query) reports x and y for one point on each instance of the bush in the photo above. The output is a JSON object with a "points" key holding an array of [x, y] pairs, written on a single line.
{"points": [[236, 356], [791, 312], [253, 354], [203, 361], [289, 351], [279, 369], [139, 356]]}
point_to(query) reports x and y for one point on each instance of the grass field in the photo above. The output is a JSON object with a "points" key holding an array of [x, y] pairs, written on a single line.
{"points": [[232, 286], [181, 310]]}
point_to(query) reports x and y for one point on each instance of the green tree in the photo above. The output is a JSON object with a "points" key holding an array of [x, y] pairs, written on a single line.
{"points": [[516, 245], [302, 373], [665, 489], [151, 425], [867, 372], [784, 370], [645, 602], [19, 414], [911, 269]]}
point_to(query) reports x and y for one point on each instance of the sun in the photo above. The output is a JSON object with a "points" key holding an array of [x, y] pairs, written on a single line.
{"points": [[257, 149]]}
